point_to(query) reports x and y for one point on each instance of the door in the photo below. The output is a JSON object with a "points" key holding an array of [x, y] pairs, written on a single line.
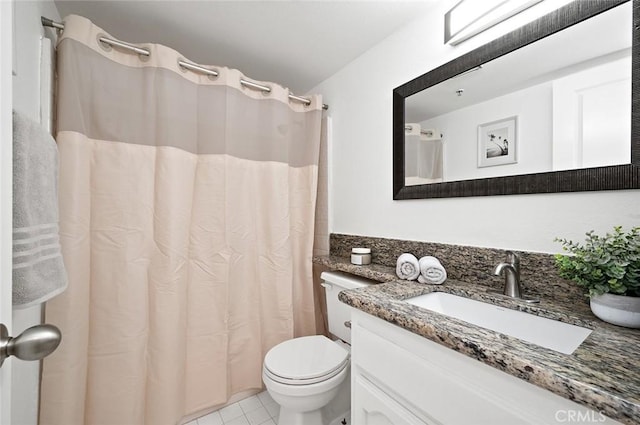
{"points": [[592, 116], [6, 163]]}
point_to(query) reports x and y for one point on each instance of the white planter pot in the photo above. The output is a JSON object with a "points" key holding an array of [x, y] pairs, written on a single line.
{"points": [[617, 309]]}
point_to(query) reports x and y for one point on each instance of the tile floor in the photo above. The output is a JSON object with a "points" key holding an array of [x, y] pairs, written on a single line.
{"points": [[259, 409]]}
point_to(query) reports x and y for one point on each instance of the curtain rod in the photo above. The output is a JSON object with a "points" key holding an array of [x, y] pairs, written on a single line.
{"points": [[409, 128], [46, 22]]}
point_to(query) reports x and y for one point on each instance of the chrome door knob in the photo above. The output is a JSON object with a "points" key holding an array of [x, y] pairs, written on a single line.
{"points": [[34, 343]]}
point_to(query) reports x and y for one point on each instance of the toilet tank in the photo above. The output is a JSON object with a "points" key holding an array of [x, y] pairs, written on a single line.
{"points": [[338, 312]]}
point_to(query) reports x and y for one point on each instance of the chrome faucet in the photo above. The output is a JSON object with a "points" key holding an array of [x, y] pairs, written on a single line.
{"points": [[511, 271]]}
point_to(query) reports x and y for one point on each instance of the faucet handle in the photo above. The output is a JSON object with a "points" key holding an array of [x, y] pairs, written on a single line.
{"points": [[512, 256], [514, 259]]}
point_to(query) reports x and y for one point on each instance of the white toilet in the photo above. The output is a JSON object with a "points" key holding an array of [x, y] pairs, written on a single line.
{"points": [[304, 375]]}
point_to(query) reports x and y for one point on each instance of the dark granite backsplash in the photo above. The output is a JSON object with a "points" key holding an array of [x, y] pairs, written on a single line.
{"points": [[538, 272]]}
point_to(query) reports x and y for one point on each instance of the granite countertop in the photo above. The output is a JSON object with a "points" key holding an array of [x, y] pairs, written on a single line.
{"points": [[603, 373], [370, 271]]}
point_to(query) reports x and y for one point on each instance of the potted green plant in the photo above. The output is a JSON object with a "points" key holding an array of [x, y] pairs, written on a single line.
{"points": [[608, 267]]}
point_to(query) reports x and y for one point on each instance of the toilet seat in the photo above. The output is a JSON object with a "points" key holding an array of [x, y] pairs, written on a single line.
{"points": [[305, 360]]}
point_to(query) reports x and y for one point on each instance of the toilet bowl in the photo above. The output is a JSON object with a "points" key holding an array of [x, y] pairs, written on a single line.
{"points": [[304, 375]]}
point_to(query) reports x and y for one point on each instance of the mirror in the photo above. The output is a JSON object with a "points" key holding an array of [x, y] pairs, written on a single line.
{"points": [[546, 108]]}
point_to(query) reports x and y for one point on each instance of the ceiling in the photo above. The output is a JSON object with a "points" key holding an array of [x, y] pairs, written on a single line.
{"points": [[297, 44]]}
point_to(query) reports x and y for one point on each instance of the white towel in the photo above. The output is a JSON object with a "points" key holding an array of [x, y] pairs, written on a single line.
{"points": [[38, 271], [407, 267], [431, 271]]}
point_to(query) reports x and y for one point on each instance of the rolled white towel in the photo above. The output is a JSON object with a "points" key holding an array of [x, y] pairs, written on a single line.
{"points": [[407, 267], [431, 271]]}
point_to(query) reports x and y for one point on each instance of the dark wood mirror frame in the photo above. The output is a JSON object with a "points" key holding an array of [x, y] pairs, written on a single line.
{"points": [[588, 179]]}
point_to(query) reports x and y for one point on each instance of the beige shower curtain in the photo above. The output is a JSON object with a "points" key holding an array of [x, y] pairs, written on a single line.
{"points": [[187, 210]]}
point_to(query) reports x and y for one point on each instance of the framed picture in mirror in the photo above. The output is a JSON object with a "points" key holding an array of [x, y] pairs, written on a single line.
{"points": [[497, 142]]}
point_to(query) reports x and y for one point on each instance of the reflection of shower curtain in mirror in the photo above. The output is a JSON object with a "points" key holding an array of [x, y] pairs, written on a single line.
{"points": [[429, 164], [411, 144]]}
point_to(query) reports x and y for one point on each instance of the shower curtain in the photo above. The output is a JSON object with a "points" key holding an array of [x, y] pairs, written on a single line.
{"points": [[187, 210]]}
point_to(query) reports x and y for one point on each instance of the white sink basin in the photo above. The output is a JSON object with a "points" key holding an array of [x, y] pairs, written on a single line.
{"points": [[552, 334]]}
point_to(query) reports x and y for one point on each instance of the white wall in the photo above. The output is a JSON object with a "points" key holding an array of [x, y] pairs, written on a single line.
{"points": [[532, 106], [360, 100], [26, 99]]}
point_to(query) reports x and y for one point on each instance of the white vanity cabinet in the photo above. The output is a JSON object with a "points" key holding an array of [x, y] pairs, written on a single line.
{"points": [[402, 378]]}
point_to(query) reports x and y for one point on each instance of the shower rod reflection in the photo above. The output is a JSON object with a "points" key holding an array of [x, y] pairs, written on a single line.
{"points": [[191, 66]]}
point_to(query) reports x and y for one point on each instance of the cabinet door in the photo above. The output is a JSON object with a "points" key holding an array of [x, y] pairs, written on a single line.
{"points": [[371, 406]]}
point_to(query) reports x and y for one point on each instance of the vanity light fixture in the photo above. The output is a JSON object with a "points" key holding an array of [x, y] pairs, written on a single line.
{"points": [[470, 17]]}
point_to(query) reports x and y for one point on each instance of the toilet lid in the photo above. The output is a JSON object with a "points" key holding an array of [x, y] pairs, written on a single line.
{"points": [[306, 358]]}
